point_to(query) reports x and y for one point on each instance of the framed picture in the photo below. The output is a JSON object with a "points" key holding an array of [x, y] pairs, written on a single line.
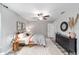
{"points": [[20, 26], [23, 26]]}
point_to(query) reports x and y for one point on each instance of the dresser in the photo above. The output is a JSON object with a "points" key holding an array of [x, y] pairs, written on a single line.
{"points": [[70, 45]]}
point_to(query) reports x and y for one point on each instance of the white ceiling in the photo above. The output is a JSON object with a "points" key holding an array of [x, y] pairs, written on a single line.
{"points": [[27, 10]]}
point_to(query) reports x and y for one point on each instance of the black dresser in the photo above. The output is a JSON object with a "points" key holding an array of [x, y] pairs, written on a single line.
{"points": [[70, 45]]}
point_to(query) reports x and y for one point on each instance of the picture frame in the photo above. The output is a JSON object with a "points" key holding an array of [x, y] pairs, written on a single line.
{"points": [[20, 26]]}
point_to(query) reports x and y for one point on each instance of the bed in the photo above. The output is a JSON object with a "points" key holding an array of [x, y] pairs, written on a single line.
{"points": [[38, 39]]}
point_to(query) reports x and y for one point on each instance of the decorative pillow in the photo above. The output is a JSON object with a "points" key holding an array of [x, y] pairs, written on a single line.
{"points": [[21, 35], [72, 35]]}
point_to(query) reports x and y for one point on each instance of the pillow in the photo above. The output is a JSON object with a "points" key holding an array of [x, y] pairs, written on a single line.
{"points": [[72, 35], [21, 35]]}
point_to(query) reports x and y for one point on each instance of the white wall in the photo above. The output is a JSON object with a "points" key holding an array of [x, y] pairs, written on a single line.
{"points": [[0, 28], [51, 30], [76, 29], [65, 17], [8, 25], [38, 27], [0, 18]]}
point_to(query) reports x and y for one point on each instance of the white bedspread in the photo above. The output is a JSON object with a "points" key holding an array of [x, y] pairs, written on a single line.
{"points": [[39, 39], [36, 38]]}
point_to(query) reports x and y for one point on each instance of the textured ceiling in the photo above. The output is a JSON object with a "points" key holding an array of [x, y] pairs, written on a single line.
{"points": [[27, 10]]}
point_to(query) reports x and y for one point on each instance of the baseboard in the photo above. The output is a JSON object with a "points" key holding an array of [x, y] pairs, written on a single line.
{"points": [[6, 52]]}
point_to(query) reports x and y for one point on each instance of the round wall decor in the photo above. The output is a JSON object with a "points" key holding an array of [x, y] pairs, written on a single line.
{"points": [[64, 26]]}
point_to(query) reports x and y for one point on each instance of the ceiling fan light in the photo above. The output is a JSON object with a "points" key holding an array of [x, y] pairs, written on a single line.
{"points": [[40, 18]]}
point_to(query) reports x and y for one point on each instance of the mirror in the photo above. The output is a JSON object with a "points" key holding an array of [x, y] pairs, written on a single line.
{"points": [[64, 26]]}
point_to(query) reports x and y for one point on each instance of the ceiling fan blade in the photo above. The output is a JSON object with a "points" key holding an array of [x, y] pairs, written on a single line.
{"points": [[46, 16]]}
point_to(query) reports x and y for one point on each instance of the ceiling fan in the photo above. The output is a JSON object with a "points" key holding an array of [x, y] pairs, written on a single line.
{"points": [[42, 16]]}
